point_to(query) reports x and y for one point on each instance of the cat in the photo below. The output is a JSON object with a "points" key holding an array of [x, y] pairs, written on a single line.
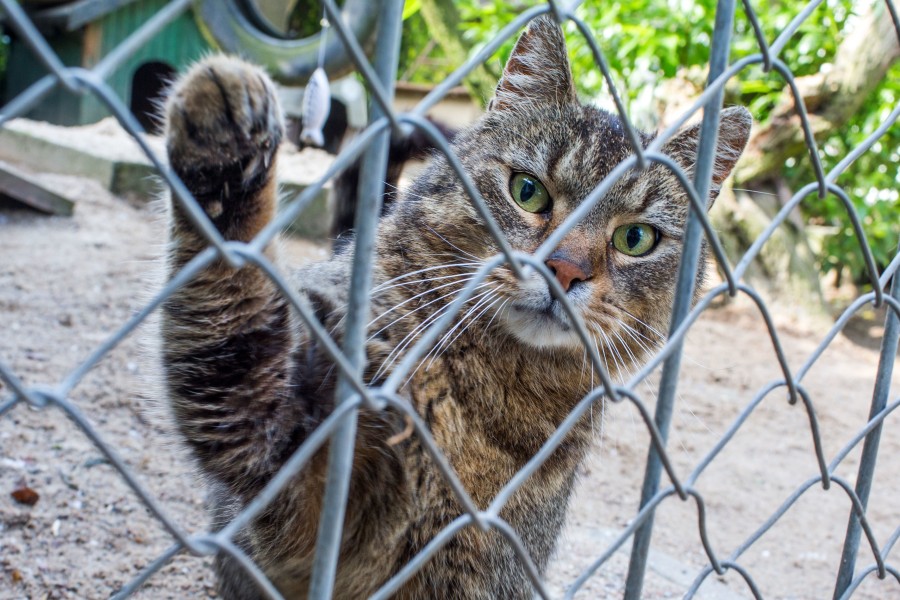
{"points": [[248, 383]]}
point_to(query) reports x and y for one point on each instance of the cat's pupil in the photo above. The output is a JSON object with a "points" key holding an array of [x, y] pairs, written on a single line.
{"points": [[527, 191], [633, 236]]}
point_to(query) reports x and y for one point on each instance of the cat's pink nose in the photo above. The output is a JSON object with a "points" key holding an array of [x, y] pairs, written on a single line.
{"points": [[567, 272]]}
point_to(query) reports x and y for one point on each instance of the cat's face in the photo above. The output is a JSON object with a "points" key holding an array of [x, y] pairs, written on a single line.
{"points": [[535, 156]]}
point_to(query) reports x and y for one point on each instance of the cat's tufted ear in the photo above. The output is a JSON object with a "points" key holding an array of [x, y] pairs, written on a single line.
{"points": [[537, 71], [734, 131]]}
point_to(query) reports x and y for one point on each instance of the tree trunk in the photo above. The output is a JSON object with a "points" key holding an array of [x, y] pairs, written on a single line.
{"points": [[785, 269], [831, 98], [442, 18]]}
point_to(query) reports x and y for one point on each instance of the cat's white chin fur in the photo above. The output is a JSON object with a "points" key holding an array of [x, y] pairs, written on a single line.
{"points": [[539, 329]]}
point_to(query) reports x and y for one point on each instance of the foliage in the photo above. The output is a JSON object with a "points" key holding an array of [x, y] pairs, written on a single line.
{"points": [[647, 42], [4, 53], [421, 60], [873, 184]]}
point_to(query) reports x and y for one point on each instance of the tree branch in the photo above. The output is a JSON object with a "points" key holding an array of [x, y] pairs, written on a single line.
{"points": [[832, 98], [442, 18]]}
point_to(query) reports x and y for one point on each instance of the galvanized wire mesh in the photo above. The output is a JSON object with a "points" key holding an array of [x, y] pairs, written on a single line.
{"points": [[354, 393]]}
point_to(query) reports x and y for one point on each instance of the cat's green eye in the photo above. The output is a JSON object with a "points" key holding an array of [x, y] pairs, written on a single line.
{"points": [[635, 239], [529, 193]]}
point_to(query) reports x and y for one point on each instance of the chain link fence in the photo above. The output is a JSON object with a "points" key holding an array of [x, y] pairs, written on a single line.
{"points": [[662, 482]]}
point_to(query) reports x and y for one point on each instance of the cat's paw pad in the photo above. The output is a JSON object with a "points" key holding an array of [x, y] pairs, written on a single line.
{"points": [[223, 125]]}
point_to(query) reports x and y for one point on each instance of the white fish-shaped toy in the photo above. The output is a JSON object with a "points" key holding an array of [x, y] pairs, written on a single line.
{"points": [[316, 106]]}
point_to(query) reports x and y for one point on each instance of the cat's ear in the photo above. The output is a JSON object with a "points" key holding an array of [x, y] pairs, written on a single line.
{"points": [[537, 71], [734, 131]]}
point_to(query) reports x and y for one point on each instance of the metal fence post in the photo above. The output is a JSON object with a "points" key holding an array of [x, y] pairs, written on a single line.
{"points": [[687, 276], [866, 472], [371, 188]]}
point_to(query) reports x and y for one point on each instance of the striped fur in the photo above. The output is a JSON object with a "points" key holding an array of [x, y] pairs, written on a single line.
{"points": [[247, 383]]}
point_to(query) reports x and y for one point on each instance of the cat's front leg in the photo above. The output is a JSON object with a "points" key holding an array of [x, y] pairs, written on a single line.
{"points": [[228, 335], [245, 382]]}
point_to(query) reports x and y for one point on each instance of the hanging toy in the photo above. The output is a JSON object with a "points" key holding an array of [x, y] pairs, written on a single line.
{"points": [[316, 98], [316, 106]]}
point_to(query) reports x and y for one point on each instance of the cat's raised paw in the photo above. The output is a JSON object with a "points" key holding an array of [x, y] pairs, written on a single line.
{"points": [[223, 126]]}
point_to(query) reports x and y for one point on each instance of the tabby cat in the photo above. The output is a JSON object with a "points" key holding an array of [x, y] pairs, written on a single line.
{"points": [[247, 382]]}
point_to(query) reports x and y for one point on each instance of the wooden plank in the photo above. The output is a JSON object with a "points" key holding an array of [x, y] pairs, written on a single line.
{"points": [[23, 188], [71, 152], [75, 15]]}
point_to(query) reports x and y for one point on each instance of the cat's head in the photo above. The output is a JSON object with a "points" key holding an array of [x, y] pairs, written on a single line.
{"points": [[535, 156]]}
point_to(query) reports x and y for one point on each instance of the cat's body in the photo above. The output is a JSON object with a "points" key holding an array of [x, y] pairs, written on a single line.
{"points": [[466, 402], [248, 383]]}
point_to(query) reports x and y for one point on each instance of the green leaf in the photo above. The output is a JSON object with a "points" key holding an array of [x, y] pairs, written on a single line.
{"points": [[411, 7]]}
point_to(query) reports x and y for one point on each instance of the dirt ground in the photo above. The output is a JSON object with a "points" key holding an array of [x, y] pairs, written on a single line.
{"points": [[67, 284]]}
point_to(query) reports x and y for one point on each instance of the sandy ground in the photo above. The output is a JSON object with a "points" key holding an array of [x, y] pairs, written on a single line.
{"points": [[67, 284]]}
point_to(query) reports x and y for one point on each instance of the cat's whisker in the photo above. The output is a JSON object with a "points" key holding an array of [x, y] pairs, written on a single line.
{"points": [[623, 374], [650, 328], [422, 361], [632, 358], [647, 349], [630, 372], [601, 347], [396, 284], [419, 295], [631, 336], [414, 311], [496, 312], [452, 255], [382, 285], [604, 417], [412, 335], [493, 301], [662, 339], [642, 340], [587, 363], [489, 294], [454, 246], [597, 349], [591, 363], [392, 357], [655, 343], [409, 337], [614, 352]]}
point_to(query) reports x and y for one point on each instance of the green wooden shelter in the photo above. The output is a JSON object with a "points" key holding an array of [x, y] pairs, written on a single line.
{"points": [[85, 31]]}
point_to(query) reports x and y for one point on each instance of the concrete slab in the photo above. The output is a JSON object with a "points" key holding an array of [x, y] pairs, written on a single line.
{"points": [[23, 188], [107, 154]]}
